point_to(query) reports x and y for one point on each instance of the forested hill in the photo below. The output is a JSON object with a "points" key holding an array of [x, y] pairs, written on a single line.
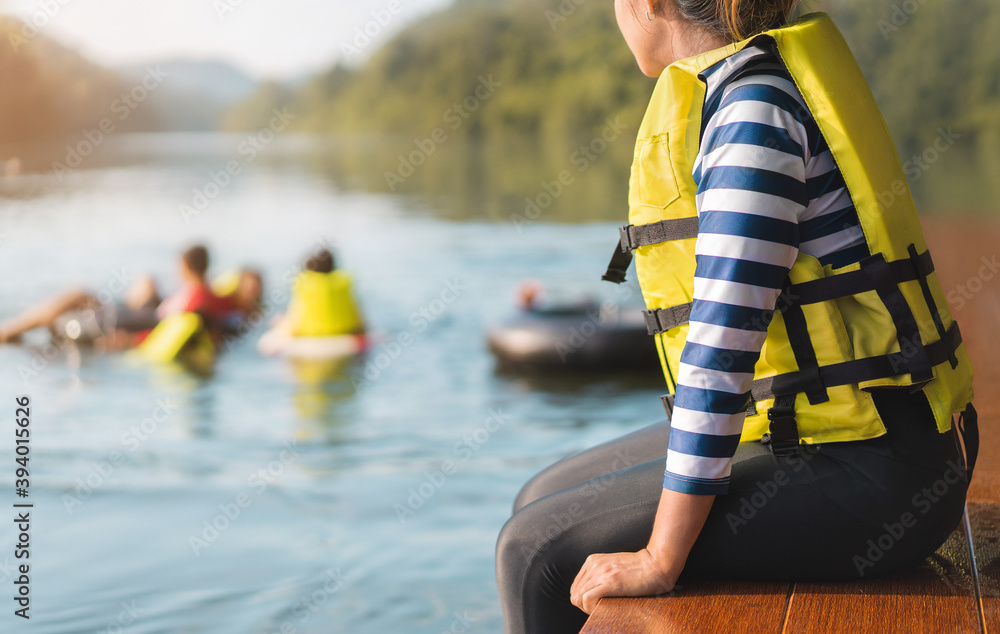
{"points": [[51, 92], [565, 72], [562, 68]]}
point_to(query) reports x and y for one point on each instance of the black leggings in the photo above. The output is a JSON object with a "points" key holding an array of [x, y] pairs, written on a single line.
{"points": [[827, 512]]}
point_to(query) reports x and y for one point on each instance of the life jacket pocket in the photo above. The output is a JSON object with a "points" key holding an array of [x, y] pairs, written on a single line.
{"points": [[657, 182]]}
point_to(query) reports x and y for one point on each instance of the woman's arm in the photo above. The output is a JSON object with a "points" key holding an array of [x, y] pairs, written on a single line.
{"points": [[752, 187], [653, 570]]}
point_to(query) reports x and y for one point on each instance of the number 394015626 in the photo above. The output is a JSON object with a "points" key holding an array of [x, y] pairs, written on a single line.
{"points": [[22, 433]]}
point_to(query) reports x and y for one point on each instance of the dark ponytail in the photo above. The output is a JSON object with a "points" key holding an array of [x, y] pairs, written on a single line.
{"points": [[735, 20]]}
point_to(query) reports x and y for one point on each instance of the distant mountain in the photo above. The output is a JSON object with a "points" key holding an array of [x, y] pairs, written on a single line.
{"points": [[194, 94], [60, 95]]}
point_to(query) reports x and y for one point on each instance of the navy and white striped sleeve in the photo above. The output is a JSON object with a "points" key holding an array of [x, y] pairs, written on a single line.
{"points": [[751, 177]]}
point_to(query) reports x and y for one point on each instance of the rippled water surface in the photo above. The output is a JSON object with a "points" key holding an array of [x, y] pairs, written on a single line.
{"points": [[302, 469]]}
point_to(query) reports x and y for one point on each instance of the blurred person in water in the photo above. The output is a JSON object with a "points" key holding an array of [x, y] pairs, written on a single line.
{"points": [[323, 302], [80, 316]]}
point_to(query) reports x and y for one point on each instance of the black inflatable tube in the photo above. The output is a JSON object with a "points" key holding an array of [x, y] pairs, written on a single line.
{"points": [[574, 341]]}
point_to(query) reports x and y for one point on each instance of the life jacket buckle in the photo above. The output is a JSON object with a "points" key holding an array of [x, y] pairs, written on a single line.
{"points": [[625, 242], [620, 260], [783, 433], [778, 413]]}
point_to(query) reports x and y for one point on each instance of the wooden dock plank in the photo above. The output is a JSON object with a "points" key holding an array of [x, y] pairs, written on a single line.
{"points": [[938, 596], [699, 606], [923, 600]]}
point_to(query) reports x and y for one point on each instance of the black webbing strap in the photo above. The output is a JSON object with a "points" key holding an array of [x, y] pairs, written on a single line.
{"points": [[802, 348], [668, 405], [635, 236], [854, 282], [664, 319], [811, 292], [856, 371], [782, 433], [620, 261], [923, 271], [907, 331], [968, 426]]}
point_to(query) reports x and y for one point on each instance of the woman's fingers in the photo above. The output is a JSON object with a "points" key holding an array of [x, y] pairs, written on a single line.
{"points": [[582, 577], [595, 576], [591, 598], [579, 587], [576, 583]]}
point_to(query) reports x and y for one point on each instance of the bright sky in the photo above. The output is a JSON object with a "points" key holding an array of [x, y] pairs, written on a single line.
{"points": [[269, 38]]}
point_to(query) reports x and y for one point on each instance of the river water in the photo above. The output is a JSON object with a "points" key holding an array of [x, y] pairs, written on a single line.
{"points": [[271, 497]]}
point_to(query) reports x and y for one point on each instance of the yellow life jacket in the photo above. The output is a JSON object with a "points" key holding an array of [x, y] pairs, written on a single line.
{"points": [[180, 337], [323, 305], [837, 331], [227, 284]]}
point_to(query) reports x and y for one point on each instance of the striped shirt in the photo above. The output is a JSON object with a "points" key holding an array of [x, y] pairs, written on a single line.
{"points": [[767, 188]]}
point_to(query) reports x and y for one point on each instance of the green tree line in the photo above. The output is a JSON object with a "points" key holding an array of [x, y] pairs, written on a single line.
{"points": [[559, 72], [564, 70]]}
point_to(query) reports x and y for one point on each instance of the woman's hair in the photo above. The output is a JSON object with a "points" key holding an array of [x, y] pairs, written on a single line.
{"points": [[735, 20]]}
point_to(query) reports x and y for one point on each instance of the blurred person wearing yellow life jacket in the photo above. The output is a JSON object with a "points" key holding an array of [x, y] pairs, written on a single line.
{"points": [[323, 303], [323, 318]]}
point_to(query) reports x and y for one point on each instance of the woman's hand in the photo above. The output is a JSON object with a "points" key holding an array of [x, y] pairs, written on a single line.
{"points": [[654, 569], [619, 575]]}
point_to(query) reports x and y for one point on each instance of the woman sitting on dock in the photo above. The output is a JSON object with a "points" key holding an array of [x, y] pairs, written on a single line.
{"points": [[812, 362]]}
